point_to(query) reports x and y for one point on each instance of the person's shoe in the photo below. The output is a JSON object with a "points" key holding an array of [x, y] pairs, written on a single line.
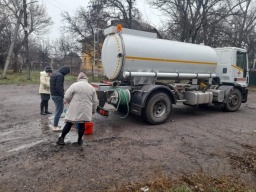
{"points": [[62, 115], [47, 112], [56, 129], [78, 143], [60, 141], [43, 113]]}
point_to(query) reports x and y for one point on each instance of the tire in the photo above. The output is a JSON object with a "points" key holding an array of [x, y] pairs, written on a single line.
{"points": [[234, 101], [157, 109]]}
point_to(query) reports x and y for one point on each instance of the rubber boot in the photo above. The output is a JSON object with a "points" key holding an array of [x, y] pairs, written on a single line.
{"points": [[78, 143], [60, 141], [46, 107], [42, 108]]}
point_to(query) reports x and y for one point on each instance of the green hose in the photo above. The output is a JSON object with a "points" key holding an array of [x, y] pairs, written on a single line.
{"points": [[123, 100]]}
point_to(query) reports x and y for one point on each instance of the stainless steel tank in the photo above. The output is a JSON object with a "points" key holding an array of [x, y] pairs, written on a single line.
{"points": [[131, 53]]}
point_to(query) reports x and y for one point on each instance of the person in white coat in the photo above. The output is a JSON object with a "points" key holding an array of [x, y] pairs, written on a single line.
{"points": [[44, 90], [83, 101]]}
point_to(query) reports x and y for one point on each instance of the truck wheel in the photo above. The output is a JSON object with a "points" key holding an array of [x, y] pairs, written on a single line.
{"points": [[157, 108], [234, 101]]}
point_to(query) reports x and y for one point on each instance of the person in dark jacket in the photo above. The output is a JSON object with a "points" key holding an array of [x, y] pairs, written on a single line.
{"points": [[57, 93]]}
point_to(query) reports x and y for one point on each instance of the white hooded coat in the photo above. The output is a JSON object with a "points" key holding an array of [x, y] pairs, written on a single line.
{"points": [[82, 100], [44, 83]]}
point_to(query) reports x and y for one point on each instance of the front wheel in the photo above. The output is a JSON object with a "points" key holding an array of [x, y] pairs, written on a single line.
{"points": [[157, 108], [234, 101]]}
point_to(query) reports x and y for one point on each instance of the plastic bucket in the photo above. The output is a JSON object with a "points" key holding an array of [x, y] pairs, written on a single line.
{"points": [[88, 128]]}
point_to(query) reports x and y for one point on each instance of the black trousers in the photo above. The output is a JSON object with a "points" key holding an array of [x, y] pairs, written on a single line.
{"points": [[67, 128], [44, 102]]}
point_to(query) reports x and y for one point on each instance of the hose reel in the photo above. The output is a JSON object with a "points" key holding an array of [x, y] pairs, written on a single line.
{"points": [[121, 97]]}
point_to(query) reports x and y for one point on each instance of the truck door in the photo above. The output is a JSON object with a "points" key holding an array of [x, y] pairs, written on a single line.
{"points": [[240, 71]]}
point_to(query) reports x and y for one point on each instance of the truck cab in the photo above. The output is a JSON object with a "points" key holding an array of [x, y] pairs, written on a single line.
{"points": [[232, 65]]}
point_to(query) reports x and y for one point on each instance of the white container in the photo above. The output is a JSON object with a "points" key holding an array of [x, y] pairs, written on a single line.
{"points": [[126, 52]]}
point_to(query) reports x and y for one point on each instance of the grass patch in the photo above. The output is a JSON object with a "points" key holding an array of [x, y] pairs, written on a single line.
{"points": [[190, 183], [201, 182], [20, 78], [252, 89]]}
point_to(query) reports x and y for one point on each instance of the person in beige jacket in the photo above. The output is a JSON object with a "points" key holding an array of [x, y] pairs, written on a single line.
{"points": [[83, 101], [44, 90]]}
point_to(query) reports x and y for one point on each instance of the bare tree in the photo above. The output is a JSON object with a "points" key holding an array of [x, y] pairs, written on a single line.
{"points": [[123, 10], [65, 52], [65, 46], [243, 28], [192, 20], [86, 22], [6, 29], [38, 21], [213, 22], [84, 25], [241, 25]]}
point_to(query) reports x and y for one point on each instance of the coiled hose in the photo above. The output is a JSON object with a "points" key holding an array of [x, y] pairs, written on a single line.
{"points": [[123, 100]]}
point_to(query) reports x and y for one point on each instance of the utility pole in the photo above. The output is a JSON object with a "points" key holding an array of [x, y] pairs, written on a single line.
{"points": [[7, 62], [26, 38]]}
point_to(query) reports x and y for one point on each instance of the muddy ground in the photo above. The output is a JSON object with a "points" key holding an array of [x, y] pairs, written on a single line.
{"points": [[120, 151]]}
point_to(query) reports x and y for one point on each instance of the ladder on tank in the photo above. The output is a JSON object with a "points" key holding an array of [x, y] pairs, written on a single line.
{"points": [[96, 59]]}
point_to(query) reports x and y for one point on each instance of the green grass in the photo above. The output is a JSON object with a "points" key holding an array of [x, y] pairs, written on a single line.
{"points": [[20, 78]]}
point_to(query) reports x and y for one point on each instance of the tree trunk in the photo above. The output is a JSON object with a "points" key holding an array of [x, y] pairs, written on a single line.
{"points": [[15, 62]]}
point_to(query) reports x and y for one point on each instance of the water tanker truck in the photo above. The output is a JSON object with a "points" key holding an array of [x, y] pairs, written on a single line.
{"points": [[138, 64]]}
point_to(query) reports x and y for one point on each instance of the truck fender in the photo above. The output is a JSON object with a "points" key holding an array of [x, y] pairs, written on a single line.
{"points": [[140, 97], [243, 90]]}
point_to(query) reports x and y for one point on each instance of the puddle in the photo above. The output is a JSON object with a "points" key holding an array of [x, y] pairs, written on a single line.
{"points": [[26, 146], [26, 135], [5, 133]]}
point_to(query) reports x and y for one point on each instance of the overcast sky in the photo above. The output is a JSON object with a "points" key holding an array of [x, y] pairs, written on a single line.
{"points": [[55, 7]]}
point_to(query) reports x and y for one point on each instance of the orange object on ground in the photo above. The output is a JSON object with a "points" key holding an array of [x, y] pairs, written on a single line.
{"points": [[88, 128]]}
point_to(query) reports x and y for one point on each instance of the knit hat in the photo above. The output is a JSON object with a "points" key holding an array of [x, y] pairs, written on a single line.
{"points": [[81, 76], [48, 69]]}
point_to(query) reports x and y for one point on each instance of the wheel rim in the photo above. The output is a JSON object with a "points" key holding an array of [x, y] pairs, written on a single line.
{"points": [[233, 100], [159, 109]]}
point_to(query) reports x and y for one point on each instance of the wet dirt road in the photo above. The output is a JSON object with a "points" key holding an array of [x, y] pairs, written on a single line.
{"points": [[120, 150]]}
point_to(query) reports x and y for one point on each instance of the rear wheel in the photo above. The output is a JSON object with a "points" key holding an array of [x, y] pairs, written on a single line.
{"points": [[157, 109], [234, 101]]}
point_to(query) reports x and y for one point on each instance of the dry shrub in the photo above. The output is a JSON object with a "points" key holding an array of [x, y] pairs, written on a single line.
{"points": [[252, 89], [245, 162], [198, 182]]}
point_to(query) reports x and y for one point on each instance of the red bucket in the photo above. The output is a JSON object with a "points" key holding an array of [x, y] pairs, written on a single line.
{"points": [[88, 128]]}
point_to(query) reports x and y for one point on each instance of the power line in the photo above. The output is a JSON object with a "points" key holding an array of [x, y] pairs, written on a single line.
{"points": [[55, 5], [62, 4]]}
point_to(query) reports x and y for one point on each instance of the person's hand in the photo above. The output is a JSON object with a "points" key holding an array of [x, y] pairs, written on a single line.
{"points": [[65, 101]]}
